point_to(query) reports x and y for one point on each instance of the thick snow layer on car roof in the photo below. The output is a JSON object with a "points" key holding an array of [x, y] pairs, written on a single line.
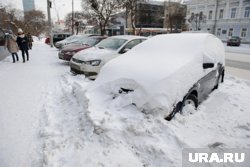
{"points": [[163, 68]]}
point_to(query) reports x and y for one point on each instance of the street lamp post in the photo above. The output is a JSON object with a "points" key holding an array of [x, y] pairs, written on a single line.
{"points": [[72, 17]]}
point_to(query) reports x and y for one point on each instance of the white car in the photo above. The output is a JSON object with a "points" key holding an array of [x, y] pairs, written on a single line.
{"points": [[90, 61], [166, 73]]}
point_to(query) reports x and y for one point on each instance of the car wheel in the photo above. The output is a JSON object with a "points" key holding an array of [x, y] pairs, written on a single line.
{"points": [[191, 100]]}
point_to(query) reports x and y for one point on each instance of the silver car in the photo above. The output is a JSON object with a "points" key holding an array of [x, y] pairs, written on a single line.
{"points": [[90, 61]]}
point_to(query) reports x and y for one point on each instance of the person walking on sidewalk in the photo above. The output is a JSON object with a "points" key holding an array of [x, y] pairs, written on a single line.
{"points": [[30, 40], [22, 42], [12, 46]]}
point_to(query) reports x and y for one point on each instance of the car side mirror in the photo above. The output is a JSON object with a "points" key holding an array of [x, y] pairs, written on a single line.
{"points": [[208, 65], [124, 50]]}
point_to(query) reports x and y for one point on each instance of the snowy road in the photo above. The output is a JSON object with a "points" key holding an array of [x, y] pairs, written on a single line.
{"points": [[238, 64], [47, 119]]}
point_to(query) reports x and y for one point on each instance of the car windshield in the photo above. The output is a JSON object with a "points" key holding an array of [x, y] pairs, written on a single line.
{"points": [[88, 41], [237, 38], [74, 38], [111, 43]]}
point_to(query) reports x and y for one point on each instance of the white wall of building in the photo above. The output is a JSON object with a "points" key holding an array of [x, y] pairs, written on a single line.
{"points": [[232, 19]]}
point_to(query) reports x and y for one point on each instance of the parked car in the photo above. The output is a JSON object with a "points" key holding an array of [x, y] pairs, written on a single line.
{"points": [[166, 73], [68, 51], [90, 61], [60, 36], [71, 40], [234, 41]]}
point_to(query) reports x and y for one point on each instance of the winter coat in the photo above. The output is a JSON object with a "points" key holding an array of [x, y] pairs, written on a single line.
{"points": [[22, 42], [11, 44], [30, 39]]}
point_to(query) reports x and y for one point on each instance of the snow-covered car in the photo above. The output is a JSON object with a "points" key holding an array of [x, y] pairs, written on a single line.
{"points": [[166, 72], [70, 40], [90, 61], [67, 52]]}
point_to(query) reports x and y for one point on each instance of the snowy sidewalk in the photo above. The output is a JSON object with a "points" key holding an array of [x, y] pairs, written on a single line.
{"points": [[22, 86]]}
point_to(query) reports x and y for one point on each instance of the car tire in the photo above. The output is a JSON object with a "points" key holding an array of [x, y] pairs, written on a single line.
{"points": [[179, 107], [191, 99]]}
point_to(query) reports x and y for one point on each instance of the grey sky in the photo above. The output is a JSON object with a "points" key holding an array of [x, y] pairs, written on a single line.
{"points": [[62, 7], [59, 9]]}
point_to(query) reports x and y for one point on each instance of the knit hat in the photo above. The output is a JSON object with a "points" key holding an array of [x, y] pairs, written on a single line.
{"points": [[20, 30]]}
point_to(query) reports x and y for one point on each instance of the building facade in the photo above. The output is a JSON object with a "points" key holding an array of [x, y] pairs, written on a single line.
{"points": [[149, 14], [28, 5], [223, 18]]}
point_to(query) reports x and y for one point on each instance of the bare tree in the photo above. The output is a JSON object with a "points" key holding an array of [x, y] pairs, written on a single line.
{"points": [[34, 22], [175, 14], [79, 16], [197, 19], [101, 10], [130, 6], [10, 17]]}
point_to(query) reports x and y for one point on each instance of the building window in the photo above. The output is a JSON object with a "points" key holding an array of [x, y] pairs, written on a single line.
{"points": [[210, 15], [218, 32], [247, 12], [224, 31], [233, 13], [221, 14], [230, 32], [243, 32]]}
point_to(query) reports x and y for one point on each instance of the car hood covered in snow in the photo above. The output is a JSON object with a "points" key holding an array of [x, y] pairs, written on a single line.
{"points": [[68, 48], [162, 69], [93, 53]]}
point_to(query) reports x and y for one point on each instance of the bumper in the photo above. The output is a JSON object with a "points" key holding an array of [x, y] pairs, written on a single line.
{"points": [[64, 56], [88, 70], [233, 44]]}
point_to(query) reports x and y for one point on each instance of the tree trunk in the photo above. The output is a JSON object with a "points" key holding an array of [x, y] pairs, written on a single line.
{"points": [[102, 29]]}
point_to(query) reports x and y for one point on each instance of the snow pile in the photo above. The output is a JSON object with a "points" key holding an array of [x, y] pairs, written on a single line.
{"points": [[159, 76], [95, 128], [82, 126]]}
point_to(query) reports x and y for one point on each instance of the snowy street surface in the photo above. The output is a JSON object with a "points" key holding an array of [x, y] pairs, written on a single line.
{"points": [[48, 118]]}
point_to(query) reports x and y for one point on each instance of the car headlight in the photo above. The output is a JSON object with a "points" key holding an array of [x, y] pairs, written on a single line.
{"points": [[93, 62]]}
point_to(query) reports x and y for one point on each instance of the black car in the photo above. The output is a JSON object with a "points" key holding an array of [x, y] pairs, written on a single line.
{"points": [[234, 41], [60, 36]]}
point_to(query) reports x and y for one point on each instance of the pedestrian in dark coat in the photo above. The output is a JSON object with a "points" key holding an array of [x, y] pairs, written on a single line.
{"points": [[12, 46], [22, 42], [30, 40]]}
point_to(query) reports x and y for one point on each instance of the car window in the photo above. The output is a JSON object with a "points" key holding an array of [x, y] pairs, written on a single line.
{"points": [[111, 43], [132, 43], [92, 41]]}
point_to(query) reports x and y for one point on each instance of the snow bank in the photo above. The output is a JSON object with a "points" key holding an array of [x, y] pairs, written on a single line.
{"points": [[157, 69], [154, 142]]}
